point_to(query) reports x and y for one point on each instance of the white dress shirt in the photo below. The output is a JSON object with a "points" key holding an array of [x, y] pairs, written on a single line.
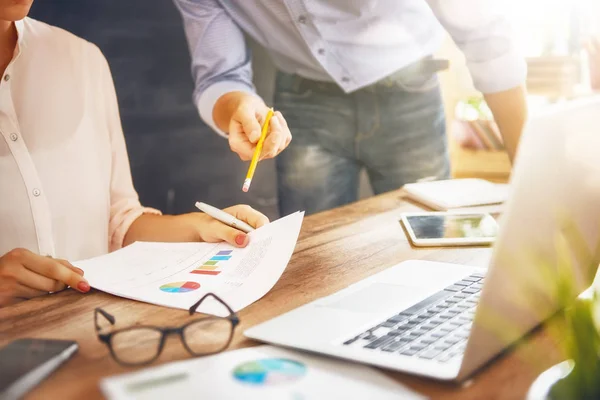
{"points": [[353, 43], [65, 182]]}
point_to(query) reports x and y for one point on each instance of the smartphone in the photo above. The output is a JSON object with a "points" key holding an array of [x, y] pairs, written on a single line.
{"points": [[25, 363], [428, 229]]}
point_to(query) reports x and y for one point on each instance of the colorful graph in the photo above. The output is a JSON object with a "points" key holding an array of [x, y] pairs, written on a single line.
{"points": [[269, 371], [180, 287], [211, 267]]}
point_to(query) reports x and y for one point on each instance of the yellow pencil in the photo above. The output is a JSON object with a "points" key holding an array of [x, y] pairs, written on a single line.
{"points": [[257, 152]]}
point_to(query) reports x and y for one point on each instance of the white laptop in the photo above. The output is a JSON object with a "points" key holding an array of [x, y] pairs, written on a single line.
{"points": [[445, 321]]}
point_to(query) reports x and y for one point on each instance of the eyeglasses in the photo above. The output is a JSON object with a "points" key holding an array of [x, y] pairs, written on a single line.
{"points": [[139, 345]]}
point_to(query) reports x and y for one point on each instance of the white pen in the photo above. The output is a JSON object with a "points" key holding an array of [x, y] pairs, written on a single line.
{"points": [[225, 218]]}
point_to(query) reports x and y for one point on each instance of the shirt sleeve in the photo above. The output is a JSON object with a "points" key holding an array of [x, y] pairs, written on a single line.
{"points": [[125, 206], [221, 60], [483, 31]]}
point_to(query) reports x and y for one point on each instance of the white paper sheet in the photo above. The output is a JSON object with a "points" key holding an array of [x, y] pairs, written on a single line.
{"points": [[257, 373], [179, 274]]}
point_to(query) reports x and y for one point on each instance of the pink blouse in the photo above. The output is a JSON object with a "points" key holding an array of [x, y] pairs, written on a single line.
{"points": [[65, 183]]}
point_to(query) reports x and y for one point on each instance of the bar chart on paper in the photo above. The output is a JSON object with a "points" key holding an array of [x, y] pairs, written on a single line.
{"points": [[215, 264]]}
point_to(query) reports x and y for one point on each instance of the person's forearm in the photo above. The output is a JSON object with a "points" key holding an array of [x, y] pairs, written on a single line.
{"points": [[160, 228], [510, 112]]}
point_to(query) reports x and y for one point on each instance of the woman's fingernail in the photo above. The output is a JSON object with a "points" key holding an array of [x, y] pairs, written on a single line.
{"points": [[83, 286], [240, 239]]}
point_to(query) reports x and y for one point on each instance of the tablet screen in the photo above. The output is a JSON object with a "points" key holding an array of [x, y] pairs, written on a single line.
{"points": [[453, 226]]}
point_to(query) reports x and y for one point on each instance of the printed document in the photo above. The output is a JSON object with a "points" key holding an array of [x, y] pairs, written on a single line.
{"points": [[179, 274], [257, 373]]}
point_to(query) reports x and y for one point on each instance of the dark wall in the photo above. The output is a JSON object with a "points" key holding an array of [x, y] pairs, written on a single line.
{"points": [[175, 158]]}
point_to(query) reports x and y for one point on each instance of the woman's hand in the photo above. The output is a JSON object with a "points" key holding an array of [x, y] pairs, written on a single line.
{"points": [[24, 275], [211, 230], [194, 227]]}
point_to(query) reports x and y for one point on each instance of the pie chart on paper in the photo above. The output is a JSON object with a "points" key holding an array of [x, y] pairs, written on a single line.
{"points": [[269, 372], [180, 287]]}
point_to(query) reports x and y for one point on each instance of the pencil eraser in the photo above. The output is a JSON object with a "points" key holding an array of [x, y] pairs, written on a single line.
{"points": [[246, 186]]}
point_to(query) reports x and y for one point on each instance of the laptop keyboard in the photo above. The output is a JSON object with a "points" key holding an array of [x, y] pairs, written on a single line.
{"points": [[437, 328]]}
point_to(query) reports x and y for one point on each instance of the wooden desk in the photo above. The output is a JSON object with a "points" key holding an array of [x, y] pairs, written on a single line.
{"points": [[336, 248]]}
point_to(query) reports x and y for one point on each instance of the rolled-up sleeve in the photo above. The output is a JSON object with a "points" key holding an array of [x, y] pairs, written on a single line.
{"points": [[483, 31], [221, 61], [125, 206]]}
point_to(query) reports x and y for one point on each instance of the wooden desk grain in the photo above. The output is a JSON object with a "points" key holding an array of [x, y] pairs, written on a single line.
{"points": [[336, 248]]}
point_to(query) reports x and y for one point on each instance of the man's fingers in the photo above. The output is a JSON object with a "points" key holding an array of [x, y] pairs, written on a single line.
{"points": [[286, 137], [53, 269], [288, 133], [250, 124], [273, 141], [240, 144], [249, 215], [279, 137]]}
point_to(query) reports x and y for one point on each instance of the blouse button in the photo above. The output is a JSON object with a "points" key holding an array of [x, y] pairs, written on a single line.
{"points": [[6, 77], [14, 137], [36, 192]]}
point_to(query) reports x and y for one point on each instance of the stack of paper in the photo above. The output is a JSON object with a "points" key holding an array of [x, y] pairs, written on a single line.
{"points": [[259, 373], [179, 274], [457, 193]]}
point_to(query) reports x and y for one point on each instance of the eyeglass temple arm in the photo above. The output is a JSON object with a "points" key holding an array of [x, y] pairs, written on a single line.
{"points": [[106, 315], [194, 307]]}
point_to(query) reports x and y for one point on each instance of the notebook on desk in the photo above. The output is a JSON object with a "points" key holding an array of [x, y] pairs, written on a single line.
{"points": [[456, 193]]}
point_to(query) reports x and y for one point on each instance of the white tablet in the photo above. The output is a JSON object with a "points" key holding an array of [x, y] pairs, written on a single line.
{"points": [[428, 229]]}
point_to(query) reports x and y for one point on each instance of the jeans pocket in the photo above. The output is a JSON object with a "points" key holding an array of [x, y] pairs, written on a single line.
{"points": [[290, 87], [418, 83], [283, 94]]}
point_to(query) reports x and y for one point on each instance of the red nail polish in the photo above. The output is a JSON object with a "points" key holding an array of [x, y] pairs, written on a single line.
{"points": [[240, 240], [83, 287]]}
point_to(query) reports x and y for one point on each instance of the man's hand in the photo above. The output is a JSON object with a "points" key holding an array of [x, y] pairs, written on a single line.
{"points": [[242, 115], [24, 275], [593, 48]]}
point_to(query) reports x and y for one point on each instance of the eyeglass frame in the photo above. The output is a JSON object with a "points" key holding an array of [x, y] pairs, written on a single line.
{"points": [[106, 338]]}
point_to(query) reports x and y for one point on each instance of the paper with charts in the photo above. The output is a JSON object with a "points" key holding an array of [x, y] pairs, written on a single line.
{"points": [[257, 373], [179, 274]]}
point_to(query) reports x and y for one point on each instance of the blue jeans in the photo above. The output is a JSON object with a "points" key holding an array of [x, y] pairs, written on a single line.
{"points": [[395, 129]]}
